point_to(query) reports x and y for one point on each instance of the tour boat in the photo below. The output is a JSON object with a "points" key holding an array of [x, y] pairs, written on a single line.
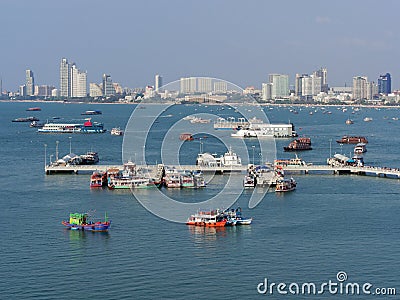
{"points": [[87, 127], [360, 148], [285, 185], [129, 178], [229, 158], [117, 131], [352, 140], [299, 144], [212, 218], [98, 179], [81, 221]]}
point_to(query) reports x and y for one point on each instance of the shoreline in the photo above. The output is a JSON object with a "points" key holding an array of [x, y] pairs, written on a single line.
{"points": [[211, 104]]}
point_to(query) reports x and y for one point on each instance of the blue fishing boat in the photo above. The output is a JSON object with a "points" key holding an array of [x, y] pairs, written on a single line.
{"points": [[82, 221]]}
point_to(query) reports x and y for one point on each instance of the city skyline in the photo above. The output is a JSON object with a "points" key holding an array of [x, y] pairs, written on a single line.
{"points": [[232, 40]]}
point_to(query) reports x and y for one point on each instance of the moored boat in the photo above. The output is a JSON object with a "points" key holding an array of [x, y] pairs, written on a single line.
{"points": [[82, 221], [349, 121], [98, 179], [285, 185]]}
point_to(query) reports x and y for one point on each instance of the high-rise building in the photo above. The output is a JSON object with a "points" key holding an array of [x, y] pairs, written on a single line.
{"points": [[78, 82], [108, 87], [220, 87], [158, 82], [29, 83], [188, 85], [323, 73], [204, 85], [65, 80], [360, 87], [385, 84], [95, 90], [372, 90], [266, 91], [280, 85]]}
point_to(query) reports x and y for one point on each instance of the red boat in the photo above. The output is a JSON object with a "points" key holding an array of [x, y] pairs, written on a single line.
{"points": [[300, 144], [98, 179], [34, 109], [207, 219], [352, 140]]}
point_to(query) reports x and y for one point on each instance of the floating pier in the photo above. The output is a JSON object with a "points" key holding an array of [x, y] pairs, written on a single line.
{"points": [[304, 169]]}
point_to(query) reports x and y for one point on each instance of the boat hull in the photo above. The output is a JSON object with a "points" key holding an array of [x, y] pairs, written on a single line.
{"points": [[95, 227]]}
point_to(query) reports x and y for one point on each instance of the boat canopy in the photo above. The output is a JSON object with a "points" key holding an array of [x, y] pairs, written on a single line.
{"points": [[78, 218]]}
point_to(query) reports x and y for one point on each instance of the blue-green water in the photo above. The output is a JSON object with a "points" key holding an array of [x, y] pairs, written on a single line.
{"points": [[329, 224]]}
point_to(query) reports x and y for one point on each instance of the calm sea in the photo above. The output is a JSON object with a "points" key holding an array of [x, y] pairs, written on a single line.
{"points": [[329, 224]]}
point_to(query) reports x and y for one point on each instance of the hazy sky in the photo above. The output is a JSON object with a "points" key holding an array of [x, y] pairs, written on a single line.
{"points": [[241, 41]]}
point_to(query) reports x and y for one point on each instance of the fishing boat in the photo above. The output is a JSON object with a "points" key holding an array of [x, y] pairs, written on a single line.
{"points": [[87, 127], [238, 217], [82, 221], [352, 140], [92, 112], [129, 178], [300, 144], [98, 179], [213, 218], [285, 185], [117, 131], [360, 148]]}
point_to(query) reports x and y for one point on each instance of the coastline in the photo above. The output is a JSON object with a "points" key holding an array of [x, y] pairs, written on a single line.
{"points": [[211, 104]]}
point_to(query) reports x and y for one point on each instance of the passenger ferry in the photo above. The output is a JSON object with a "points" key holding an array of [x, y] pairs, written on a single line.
{"points": [[129, 178], [257, 130], [230, 158], [290, 162], [87, 127], [285, 185], [299, 144], [213, 218]]}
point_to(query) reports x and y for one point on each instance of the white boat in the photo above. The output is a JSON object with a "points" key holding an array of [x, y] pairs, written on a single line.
{"points": [[259, 130], [367, 119], [129, 178], [230, 158], [285, 185], [360, 148], [117, 131], [249, 181], [172, 178], [87, 127]]}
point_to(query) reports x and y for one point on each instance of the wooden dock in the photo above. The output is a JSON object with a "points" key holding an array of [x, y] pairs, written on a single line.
{"points": [[304, 169]]}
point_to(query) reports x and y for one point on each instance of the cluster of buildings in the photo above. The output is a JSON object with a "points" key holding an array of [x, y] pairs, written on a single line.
{"points": [[306, 88]]}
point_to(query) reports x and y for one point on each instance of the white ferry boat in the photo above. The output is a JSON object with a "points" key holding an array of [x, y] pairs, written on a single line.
{"points": [[87, 127], [257, 130], [230, 158]]}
